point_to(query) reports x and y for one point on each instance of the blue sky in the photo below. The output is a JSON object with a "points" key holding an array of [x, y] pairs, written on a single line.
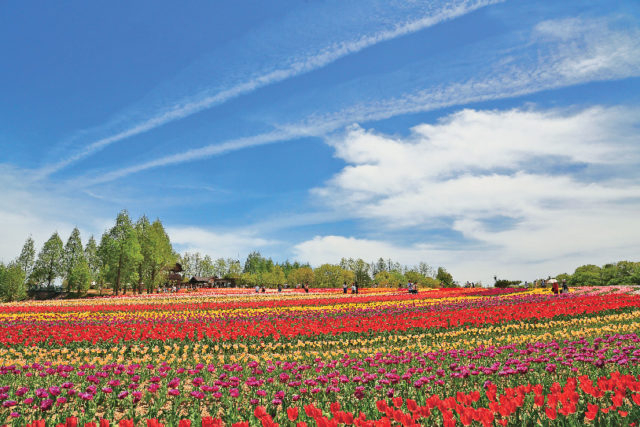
{"points": [[489, 137]]}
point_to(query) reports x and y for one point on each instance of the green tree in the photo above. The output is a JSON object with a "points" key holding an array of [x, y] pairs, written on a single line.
{"points": [[120, 253], [586, 275], [143, 234], [73, 253], [416, 277], [207, 266], [444, 277], [234, 269], [301, 275], [328, 276], [256, 263], [347, 276], [12, 282], [360, 270], [80, 277], [220, 267], [274, 277], [27, 257], [49, 264], [425, 269], [160, 256], [93, 259], [390, 279]]}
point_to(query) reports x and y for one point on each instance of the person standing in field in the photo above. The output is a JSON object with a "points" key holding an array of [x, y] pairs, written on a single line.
{"points": [[344, 287], [554, 287], [565, 288]]}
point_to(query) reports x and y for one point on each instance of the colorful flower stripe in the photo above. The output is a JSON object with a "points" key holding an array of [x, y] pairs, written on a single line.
{"points": [[468, 356]]}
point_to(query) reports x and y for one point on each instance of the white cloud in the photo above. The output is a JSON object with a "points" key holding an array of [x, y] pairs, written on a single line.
{"points": [[216, 244], [476, 165]]}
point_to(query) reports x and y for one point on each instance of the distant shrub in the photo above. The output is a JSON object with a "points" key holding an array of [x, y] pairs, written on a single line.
{"points": [[503, 283]]}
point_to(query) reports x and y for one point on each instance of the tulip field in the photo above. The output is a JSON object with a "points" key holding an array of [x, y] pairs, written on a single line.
{"points": [[382, 357]]}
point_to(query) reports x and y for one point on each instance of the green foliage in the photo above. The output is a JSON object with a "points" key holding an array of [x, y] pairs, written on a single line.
{"points": [[120, 253], [586, 275], [301, 275], [328, 276], [391, 279], [73, 254], [234, 269], [257, 264], [274, 277], [220, 267], [359, 268], [27, 257], [12, 282], [444, 277], [49, 264], [79, 278], [93, 259], [156, 253], [504, 283]]}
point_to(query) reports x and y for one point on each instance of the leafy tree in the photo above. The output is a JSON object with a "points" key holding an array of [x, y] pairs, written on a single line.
{"points": [[93, 259], [80, 277], [234, 269], [416, 277], [73, 253], [391, 279], [348, 276], [301, 275], [27, 257], [328, 276], [220, 267], [378, 266], [256, 263], [425, 269], [586, 275], [143, 234], [360, 270], [504, 283], [444, 277], [49, 264], [120, 253], [207, 266], [274, 277], [12, 282], [161, 256]]}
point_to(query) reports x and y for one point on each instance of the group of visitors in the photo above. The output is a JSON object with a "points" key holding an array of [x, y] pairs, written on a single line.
{"points": [[554, 287], [412, 287], [354, 287]]}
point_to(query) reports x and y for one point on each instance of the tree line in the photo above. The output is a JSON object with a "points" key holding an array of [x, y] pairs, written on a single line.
{"points": [[129, 255], [135, 256], [262, 271], [611, 274], [616, 273]]}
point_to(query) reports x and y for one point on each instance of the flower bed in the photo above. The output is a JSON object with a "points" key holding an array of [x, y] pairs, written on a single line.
{"points": [[442, 357]]}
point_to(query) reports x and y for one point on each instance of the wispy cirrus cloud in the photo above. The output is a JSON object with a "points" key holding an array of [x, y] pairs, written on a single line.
{"points": [[375, 25], [606, 51]]}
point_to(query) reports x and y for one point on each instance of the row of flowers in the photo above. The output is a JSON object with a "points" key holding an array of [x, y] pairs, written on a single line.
{"points": [[440, 357], [613, 398]]}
